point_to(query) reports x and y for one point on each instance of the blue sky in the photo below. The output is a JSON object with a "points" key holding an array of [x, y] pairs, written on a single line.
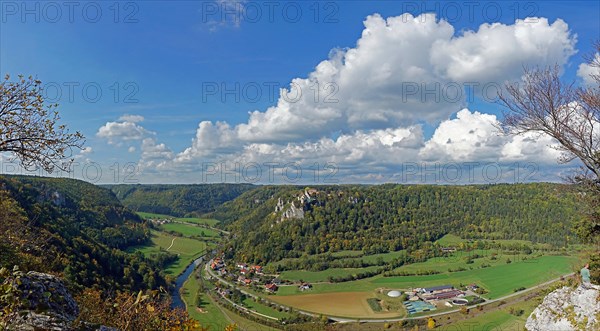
{"points": [[160, 62]]}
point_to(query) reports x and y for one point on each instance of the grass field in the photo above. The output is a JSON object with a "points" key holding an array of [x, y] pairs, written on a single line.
{"points": [[348, 299], [321, 276], [458, 259], [454, 240], [386, 257], [188, 249], [244, 324], [499, 319], [196, 220], [189, 230], [209, 315], [261, 308], [499, 280]]}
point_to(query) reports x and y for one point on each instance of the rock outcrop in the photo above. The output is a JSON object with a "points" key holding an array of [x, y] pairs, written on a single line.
{"points": [[44, 303], [567, 309]]}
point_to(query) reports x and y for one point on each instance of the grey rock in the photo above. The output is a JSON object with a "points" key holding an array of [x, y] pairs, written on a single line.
{"points": [[567, 309]]}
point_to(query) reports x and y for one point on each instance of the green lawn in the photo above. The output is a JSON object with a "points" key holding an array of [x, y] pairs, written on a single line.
{"points": [[189, 230], [321, 276], [188, 249], [261, 308], [196, 220], [454, 240], [500, 319], [348, 255], [450, 240], [500, 280], [386, 257], [458, 259], [210, 315]]}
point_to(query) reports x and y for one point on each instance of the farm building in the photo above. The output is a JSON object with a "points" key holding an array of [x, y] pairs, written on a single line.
{"points": [[305, 286], [440, 292], [437, 289]]}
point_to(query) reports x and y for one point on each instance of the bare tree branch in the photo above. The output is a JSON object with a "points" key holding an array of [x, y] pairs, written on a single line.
{"points": [[29, 129]]}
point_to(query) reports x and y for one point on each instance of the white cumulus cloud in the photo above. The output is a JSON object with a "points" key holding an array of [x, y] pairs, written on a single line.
{"points": [[126, 129]]}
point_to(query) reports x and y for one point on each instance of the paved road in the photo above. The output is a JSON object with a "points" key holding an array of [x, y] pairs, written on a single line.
{"points": [[382, 320]]}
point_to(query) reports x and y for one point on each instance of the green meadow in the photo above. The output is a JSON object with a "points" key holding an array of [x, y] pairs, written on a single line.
{"points": [[202, 308], [195, 220], [190, 230], [322, 276], [499, 280], [187, 249]]}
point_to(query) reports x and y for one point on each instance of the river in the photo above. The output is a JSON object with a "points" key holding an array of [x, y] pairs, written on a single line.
{"points": [[177, 301]]}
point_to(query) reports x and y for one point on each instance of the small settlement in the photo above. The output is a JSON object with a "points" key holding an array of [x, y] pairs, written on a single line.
{"points": [[250, 275]]}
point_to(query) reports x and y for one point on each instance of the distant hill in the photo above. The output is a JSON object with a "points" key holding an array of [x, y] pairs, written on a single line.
{"points": [[275, 222], [178, 200], [74, 229]]}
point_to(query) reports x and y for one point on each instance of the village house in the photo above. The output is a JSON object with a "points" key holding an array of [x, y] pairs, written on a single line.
{"points": [[217, 264], [305, 286], [241, 265], [257, 269], [272, 288]]}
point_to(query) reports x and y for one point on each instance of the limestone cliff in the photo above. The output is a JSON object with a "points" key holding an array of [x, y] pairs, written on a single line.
{"points": [[567, 309], [42, 302]]}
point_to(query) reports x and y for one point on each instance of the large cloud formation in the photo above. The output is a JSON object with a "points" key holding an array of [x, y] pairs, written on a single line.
{"points": [[363, 108]]}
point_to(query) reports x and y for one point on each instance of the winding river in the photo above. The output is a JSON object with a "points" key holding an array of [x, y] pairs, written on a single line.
{"points": [[177, 301]]}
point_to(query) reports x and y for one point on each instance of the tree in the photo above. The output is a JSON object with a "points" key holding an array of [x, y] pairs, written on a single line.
{"points": [[571, 115], [29, 128], [430, 323]]}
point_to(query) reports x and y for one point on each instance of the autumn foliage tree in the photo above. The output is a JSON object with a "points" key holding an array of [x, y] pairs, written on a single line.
{"points": [[130, 312], [30, 129]]}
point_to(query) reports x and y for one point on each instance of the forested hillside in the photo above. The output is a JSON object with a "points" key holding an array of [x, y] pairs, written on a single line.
{"points": [[74, 229], [378, 219], [178, 200]]}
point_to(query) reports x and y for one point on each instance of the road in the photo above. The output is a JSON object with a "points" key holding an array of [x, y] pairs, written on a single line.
{"points": [[352, 320], [172, 242]]}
